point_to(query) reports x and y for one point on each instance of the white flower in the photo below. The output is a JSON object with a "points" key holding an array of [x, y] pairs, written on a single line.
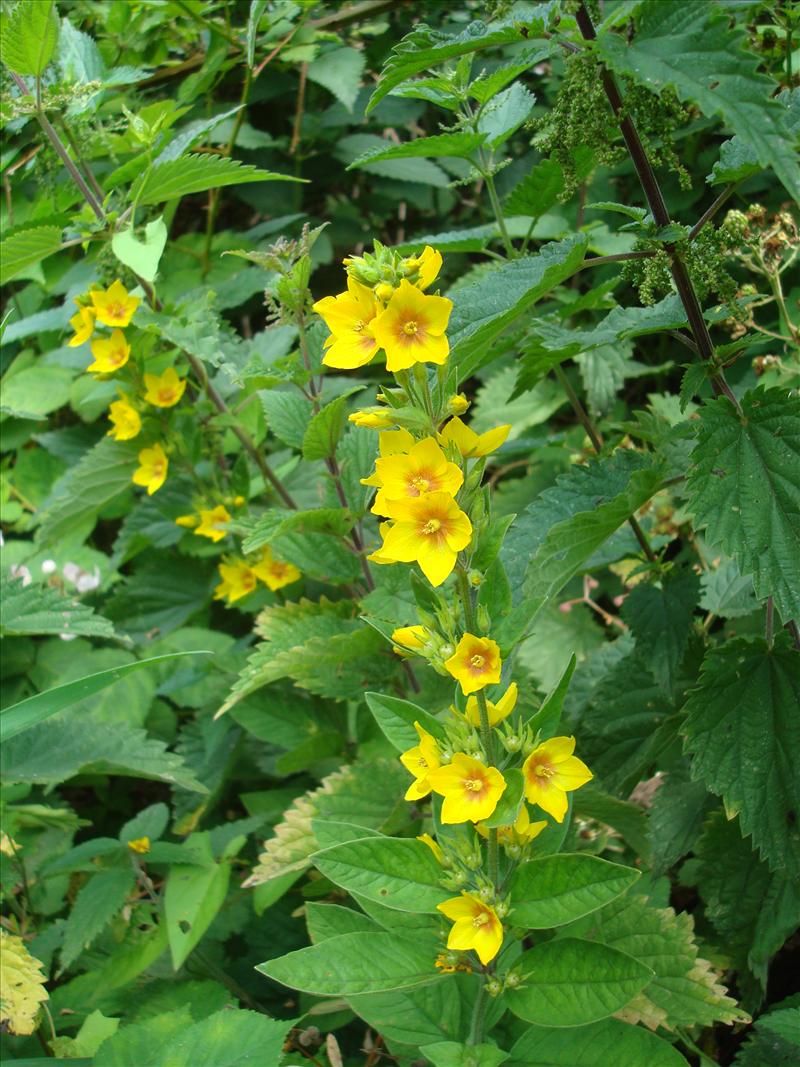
{"points": [[19, 570], [71, 572], [49, 566]]}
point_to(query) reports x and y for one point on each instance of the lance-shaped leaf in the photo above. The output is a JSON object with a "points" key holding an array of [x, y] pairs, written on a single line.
{"points": [[443, 144], [396, 718], [555, 890], [399, 872]]}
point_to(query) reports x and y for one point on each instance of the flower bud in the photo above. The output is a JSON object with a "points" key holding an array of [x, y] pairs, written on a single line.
{"points": [[494, 987], [512, 743], [512, 980], [384, 291], [457, 404], [475, 578]]}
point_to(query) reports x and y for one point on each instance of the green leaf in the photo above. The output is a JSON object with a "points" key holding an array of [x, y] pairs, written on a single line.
{"points": [[396, 719], [399, 872], [660, 618], [555, 890], [774, 1041], [257, 8], [335, 522], [695, 48], [136, 1043], [95, 1029], [461, 145], [541, 189], [42, 609], [357, 145], [745, 487], [35, 709], [339, 71], [505, 114], [195, 174], [325, 430], [192, 898], [286, 415], [726, 593], [545, 721], [742, 733], [228, 1038], [677, 814], [452, 1054], [355, 963], [597, 1045], [568, 982], [26, 247], [28, 37], [483, 309], [141, 256], [508, 805], [36, 391], [95, 906], [331, 920]]}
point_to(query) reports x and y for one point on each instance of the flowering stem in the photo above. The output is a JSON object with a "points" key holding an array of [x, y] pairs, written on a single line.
{"points": [[479, 1015]]}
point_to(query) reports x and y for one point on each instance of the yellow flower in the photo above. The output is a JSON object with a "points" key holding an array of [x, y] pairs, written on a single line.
{"points": [[470, 789], [551, 771], [409, 639], [164, 391], [372, 420], [423, 469], [431, 529], [189, 521], [152, 471], [238, 579], [273, 572], [114, 307], [349, 317], [521, 833], [8, 846], [125, 419], [420, 761], [477, 926], [470, 444], [433, 845], [497, 712], [412, 328], [475, 663], [140, 845], [213, 523], [83, 325], [426, 266], [110, 353], [377, 556]]}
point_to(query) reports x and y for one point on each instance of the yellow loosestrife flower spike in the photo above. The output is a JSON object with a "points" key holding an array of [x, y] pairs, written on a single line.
{"points": [[497, 712], [412, 328], [110, 353], [470, 789], [21, 985], [114, 306], [152, 472], [213, 523], [475, 663], [349, 316], [551, 771], [477, 926], [125, 419], [420, 761], [424, 469], [521, 833], [165, 390], [273, 572], [431, 530], [83, 325], [470, 444], [433, 845]]}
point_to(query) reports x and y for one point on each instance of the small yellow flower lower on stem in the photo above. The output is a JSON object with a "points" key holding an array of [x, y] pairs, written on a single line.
{"points": [[470, 789], [114, 306], [409, 639], [165, 390], [477, 926], [420, 761], [520, 833], [125, 419], [152, 472], [431, 530], [425, 266], [423, 469], [551, 771], [412, 328], [140, 845], [475, 663], [371, 420], [274, 573], [213, 523], [470, 444], [187, 521], [110, 353], [83, 325]]}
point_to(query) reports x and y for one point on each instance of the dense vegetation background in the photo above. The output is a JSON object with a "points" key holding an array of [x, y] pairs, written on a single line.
{"points": [[154, 852]]}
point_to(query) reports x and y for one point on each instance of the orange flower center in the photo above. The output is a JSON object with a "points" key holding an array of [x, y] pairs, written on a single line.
{"points": [[474, 785], [157, 469], [422, 763], [166, 395], [116, 357], [477, 661], [116, 311], [419, 484], [544, 770], [432, 526], [480, 920], [410, 328]]}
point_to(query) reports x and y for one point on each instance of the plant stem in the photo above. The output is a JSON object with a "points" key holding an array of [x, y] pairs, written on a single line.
{"points": [[618, 257], [723, 197], [769, 622], [479, 1015]]}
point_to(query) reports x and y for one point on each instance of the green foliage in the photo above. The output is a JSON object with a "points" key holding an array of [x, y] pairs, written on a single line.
{"points": [[29, 36], [555, 890], [592, 1046], [399, 873], [28, 246], [194, 174]]}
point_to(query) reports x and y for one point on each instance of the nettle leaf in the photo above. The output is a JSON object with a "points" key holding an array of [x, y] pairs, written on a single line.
{"points": [[555, 890], [28, 246], [568, 982], [488, 84], [267, 527], [286, 414], [745, 487], [505, 114], [660, 618], [677, 814], [42, 609], [742, 732], [596, 1045], [401, 873], [542, 187], [738, 159], [339, 71], [684, 990], [461, 145], [95, 906], [29, 36], [693, 47], [774, 1039], [356, 146], [325, 430], [195, 174], [726, 592]]}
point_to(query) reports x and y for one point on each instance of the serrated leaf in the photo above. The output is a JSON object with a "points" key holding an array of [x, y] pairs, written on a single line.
{"points": [[677, 814], [399, 872], [541, 189], [660, 618], [95, 906], [774, 1040], [195, 174], [286, 414], [596, 1045], [325, 430], [29, 36], [505, 114], [745, 488], [726, 593], [461, 145], [555, 890], [339, 71], [402, 169], [29, 246], [41, 609], [742, 733], [695, 48], [738, 159]]}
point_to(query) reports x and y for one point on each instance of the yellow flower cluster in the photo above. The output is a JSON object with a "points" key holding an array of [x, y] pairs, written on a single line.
{"points": [[239, 578], [114, 307]]}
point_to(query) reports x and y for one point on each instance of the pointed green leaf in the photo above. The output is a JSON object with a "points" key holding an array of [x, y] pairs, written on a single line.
{"points": [[555, 890], [399, 872]]}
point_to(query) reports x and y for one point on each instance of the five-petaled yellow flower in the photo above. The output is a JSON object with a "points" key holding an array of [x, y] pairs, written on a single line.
{"points": [[470, 444], [420, 761], [423, 469], [140, 845], [83, 325], [520, 833], [477, 926], [470, 789], [349, 316], [412, 328], [110, 353], [152, 472], [496, 712], [125, 419], [551, 771], [475, 663], [165, 390], [114, 306], [426, 266], [238, 579], [274, 573], [213, 523], [431, 529]]}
